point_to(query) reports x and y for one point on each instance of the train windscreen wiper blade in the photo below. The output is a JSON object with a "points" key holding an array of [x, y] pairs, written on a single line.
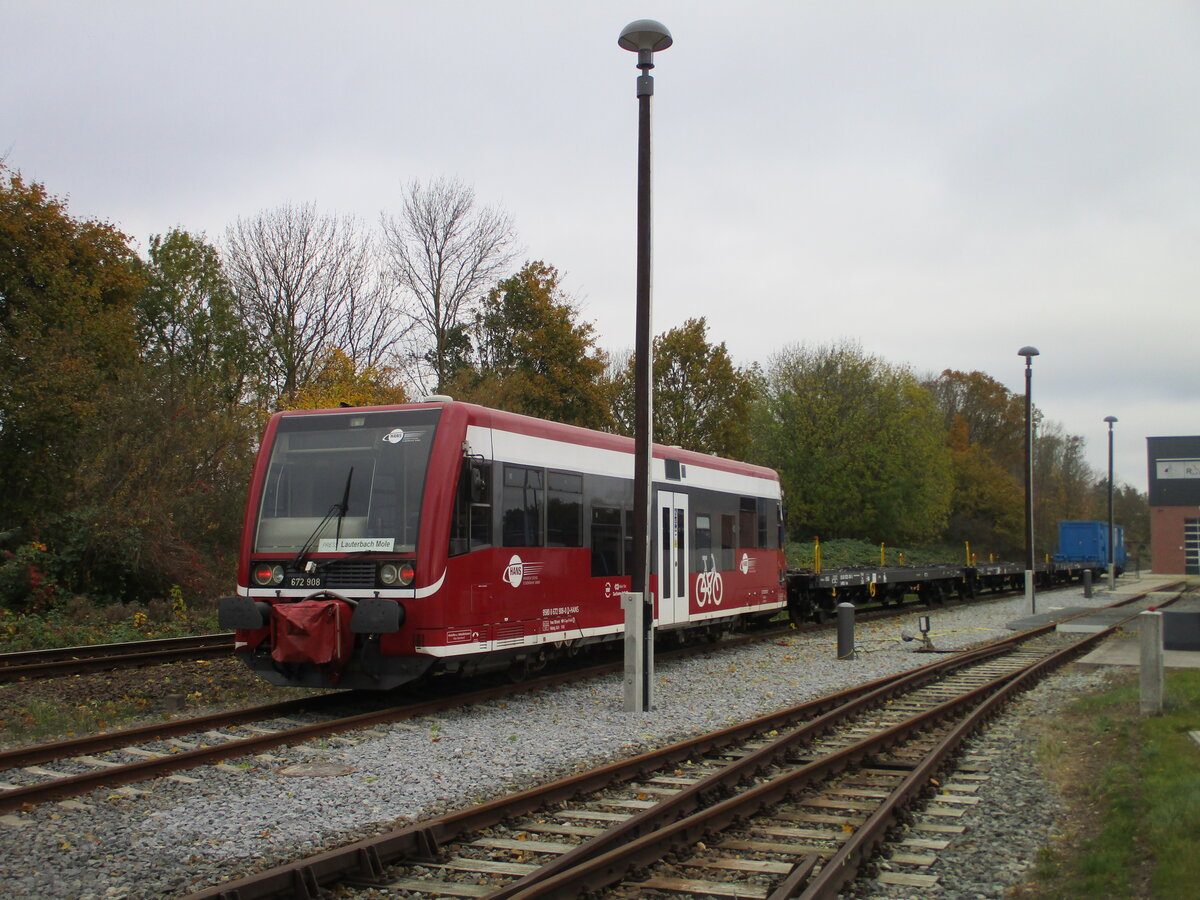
{"points": [[340, 510]]}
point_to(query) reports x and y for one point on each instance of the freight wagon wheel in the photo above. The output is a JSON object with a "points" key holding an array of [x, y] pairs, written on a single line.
{"points": [[931, 594]]}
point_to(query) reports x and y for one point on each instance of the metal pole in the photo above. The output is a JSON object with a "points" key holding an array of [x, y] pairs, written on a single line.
{"points": [[1030, 591], [644, 37], [1112, 557], [845, 631], [1150, 628], [635, 655], [643, 400]]}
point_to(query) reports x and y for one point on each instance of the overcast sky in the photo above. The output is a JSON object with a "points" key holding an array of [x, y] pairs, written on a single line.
{"points": [[943, 182]]}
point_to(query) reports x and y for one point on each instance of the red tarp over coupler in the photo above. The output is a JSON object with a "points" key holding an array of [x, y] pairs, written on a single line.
{"points": [[316, 631]]}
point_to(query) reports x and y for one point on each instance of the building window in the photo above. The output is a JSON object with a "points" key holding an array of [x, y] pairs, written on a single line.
{"points": [[1191, 546]]}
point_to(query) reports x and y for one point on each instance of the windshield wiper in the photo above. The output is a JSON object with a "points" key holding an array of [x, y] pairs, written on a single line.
{"points": [[340, 509]]}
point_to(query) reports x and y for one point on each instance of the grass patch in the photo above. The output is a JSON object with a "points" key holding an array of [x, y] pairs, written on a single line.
{"points": [[78, 622], [51, 708], [841, 552], [1133, 787], [44, 720]]}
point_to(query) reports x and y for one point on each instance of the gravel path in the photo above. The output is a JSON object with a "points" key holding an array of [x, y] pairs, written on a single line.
{"points": [[248, 815]]}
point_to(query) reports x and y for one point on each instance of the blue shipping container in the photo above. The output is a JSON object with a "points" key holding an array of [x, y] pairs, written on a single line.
{"points": [[1087, 542]]}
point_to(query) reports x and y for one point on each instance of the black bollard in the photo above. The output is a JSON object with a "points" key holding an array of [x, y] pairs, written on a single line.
{"points": [[845, 630], [1087, 584]]}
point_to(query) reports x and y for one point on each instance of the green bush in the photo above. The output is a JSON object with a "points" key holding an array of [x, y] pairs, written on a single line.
{"points": [[86, 553], [26, 582]]}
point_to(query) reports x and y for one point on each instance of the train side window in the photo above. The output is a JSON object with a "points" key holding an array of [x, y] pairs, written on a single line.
{"points": [[764, 525], [747, 524], [471, 525], [728, 541], [606, 541], [703, 543], [564, 510], [481, 505], [523, 502]]}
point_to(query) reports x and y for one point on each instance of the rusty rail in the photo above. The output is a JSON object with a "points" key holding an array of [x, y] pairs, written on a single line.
{"points": [[30, 664]]}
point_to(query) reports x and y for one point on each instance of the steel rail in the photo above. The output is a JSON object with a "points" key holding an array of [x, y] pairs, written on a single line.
{"points": [[639, 846], [31, 755], [75, 785], [84, 651], [844, 864], [150, 768], [29, 664], [698, 796], [701, 795], [366, 858], [420, 841], [110, 740], [602, 870]]}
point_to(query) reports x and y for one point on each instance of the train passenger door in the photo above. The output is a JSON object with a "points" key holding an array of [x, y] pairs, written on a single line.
{"points": [[672, 558]]}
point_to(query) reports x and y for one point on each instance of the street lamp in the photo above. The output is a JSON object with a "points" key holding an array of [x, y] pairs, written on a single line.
{"points": [[1029, 353], [1112, 553], [644, 37]]}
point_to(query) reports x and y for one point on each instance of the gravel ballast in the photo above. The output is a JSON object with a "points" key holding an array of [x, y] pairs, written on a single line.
{"points": [[251, 814]]}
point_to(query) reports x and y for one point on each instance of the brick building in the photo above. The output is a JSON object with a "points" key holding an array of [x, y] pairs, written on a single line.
{"points": [[1174, 504]]}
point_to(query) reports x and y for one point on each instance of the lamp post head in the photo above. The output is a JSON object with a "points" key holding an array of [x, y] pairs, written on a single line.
{"points": [[1028, 352], [645, 37], [1110, 420]]}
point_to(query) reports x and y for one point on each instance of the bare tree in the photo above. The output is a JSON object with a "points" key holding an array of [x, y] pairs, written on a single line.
{"points": [[445, 254], [305, 284]]}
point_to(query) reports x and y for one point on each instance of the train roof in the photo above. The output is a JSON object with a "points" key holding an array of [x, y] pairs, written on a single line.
{"points": [[544, 428]]}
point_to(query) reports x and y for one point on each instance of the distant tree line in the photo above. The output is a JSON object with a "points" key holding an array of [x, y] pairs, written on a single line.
{"points": [[133, 389]]}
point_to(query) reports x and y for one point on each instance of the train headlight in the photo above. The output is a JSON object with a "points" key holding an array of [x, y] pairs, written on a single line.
{"points": [[389, 574], [407, 574], [266, 574]]}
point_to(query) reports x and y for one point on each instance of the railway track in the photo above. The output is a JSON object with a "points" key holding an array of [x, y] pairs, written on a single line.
{"points": [[66, 661], [787, 805], [139, 754], [117, 758], [63, 769], [29, 664]]}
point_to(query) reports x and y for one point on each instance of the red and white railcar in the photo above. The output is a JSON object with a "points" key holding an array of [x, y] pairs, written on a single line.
{"points": [[384, 543]]}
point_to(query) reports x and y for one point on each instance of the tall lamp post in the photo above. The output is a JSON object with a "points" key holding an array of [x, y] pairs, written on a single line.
{"points": [[644, 37], [1029, 353], [1112, 551]]}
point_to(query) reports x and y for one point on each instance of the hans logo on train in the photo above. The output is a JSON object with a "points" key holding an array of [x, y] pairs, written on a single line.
{"points": [[518, 572], [515, 572]]}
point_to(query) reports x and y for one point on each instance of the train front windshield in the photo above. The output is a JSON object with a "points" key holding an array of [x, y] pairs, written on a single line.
{"points": [[346, 482]]}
